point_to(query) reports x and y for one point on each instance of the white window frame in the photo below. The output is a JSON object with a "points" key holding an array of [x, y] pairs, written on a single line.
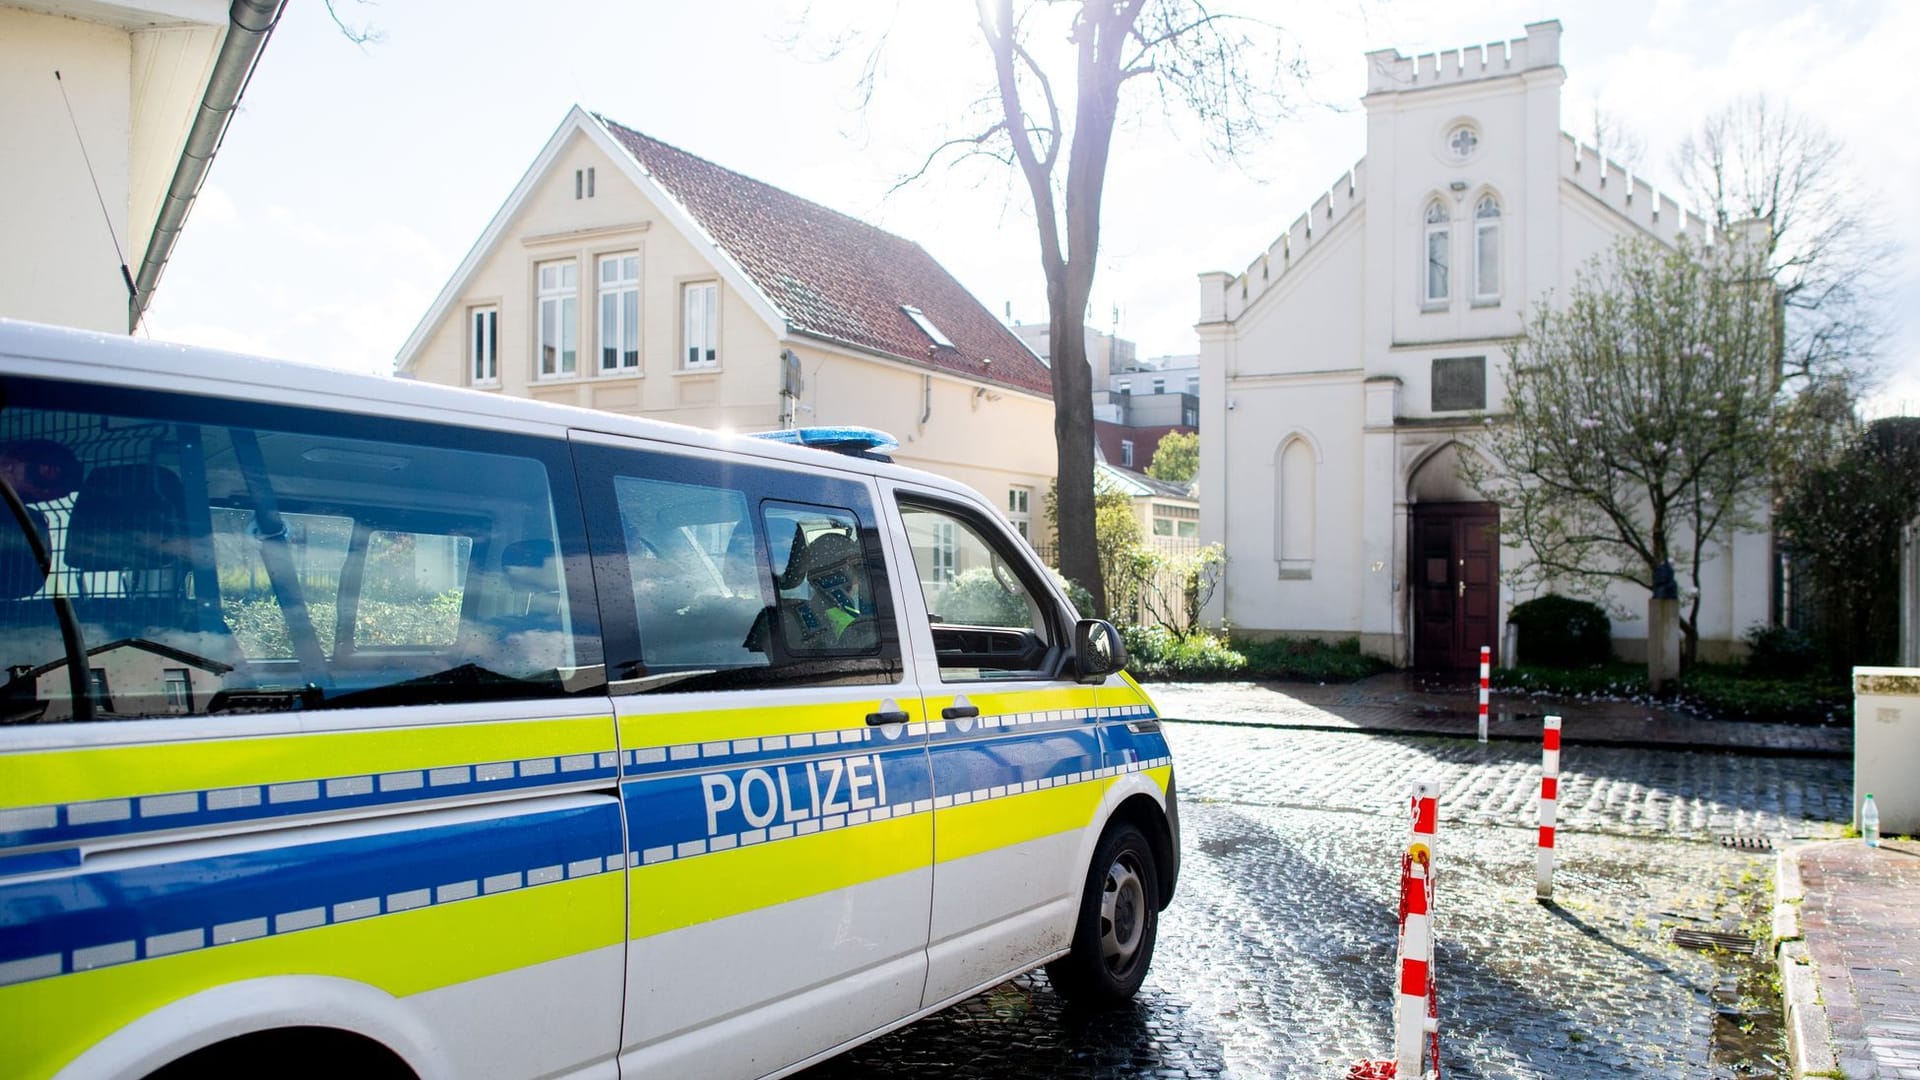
{"points": [[623, 290], [699, 325], [1126, 453], [177, 684], [561, 299], [1020, 510], [944, 552], [1436, 236], [1486, 250], [483, 344]]}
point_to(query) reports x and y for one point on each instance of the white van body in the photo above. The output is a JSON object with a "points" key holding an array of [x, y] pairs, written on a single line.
{"points": [[421, 731]]}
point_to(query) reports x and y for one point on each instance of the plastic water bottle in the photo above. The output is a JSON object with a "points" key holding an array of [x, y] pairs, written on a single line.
{"points": [[1870, 821]]}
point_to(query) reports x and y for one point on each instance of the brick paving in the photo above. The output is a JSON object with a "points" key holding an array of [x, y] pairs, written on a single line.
{"points": [[1861, 918]]}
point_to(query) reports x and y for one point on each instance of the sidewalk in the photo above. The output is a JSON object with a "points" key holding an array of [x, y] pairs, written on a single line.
{"points": [[1846, 916], [1850, 969], [1400, 703]]}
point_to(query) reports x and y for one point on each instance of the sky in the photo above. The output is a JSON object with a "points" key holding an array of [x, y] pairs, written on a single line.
{"points": [[356, 177]]}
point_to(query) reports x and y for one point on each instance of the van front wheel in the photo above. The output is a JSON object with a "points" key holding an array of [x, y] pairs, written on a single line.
{"points": [[1119, 917]]}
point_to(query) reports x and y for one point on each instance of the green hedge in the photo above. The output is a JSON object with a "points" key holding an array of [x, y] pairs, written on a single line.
{"points": [[1733, 694], [1558, 631], [1713, 690], [1307, 660], [1614, 680]]}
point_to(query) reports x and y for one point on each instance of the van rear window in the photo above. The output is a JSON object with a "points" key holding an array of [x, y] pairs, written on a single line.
{"points": [[166, 555]]}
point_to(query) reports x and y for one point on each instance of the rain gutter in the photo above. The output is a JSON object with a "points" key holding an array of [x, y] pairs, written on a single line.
{"points": [[251, 22]]}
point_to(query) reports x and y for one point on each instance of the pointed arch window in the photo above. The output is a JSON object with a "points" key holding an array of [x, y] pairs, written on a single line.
{"points": [[1294, 527], [1435, 285], [1486, 250]]}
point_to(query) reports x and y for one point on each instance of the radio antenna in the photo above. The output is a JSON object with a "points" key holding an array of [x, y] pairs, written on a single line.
{"points": [[125, 274]]}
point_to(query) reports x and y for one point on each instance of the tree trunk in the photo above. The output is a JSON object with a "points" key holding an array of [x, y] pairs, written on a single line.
{"points": [[1073, 438], [1099, 38]]}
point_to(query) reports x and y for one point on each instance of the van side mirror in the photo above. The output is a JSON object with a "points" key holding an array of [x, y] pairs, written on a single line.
{"points": [[1097, 650]]}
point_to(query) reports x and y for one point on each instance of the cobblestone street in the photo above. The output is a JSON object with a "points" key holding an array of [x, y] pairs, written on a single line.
{"points": [[1276, 956]]}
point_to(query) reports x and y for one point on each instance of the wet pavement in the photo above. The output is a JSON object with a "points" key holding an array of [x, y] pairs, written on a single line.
{"points": [[1861, 925], [1276, 957]]}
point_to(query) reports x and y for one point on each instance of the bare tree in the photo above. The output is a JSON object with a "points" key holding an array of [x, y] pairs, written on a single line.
{"points": [[1613, 141], [1228, 71], [1758, 159], [1641, 416], [362, 35]]}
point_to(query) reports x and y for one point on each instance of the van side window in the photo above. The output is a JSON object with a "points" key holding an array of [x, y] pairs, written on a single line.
{"points": [[721, 574], [695, 572], [987, 622], [215, 557], [827, 602]]}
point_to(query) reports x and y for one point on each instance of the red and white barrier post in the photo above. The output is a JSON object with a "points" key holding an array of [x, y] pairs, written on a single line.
{"points": [[1486, 670], [1416, 1024], [1549, 801]]}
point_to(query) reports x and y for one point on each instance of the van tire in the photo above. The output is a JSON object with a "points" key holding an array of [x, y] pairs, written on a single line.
{"points": [[1119, 918]]}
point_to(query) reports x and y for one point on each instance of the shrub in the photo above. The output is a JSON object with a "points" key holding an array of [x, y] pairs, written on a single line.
{"points": [[976, 598], [1559, 631], [1308, 660], [1155, 652], [1781, 652]]}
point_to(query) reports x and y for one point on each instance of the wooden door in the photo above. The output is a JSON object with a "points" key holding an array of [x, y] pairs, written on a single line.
{"points": [[1455, 553]]}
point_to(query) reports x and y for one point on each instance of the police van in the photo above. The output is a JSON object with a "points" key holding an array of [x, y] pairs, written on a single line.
{"points": [[377, 729]]}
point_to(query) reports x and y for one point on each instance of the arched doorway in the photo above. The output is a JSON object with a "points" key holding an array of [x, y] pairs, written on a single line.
{"points": [[1454, 552]]}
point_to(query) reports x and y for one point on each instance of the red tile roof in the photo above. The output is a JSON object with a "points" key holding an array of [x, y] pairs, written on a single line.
{"points": [[834, 276]]}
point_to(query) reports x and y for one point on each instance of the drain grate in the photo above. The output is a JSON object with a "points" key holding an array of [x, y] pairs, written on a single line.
{"points": [[1706, 940], [1745, 842]]}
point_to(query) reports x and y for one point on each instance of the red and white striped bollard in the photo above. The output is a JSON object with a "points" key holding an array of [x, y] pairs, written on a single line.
{"points": [[1486, 670], [1416, 1027], [1549, 802]]}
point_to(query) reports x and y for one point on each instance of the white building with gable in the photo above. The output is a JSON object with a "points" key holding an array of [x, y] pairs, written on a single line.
{"points": [[1340, 370]]}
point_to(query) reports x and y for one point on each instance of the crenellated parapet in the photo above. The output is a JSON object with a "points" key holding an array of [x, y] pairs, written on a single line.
{"points": [[1293, 245], [1389, 72], [1628, 195]]}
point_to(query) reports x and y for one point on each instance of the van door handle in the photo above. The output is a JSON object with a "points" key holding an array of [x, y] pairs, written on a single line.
{"points": [[959, 712], [892, 716]]}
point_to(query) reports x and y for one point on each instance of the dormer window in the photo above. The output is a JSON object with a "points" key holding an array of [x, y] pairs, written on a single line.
{"points": [[1435, 285], [926, 327]]}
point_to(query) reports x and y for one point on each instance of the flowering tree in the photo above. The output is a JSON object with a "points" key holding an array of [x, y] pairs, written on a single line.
{"points": [[1640, 419]]}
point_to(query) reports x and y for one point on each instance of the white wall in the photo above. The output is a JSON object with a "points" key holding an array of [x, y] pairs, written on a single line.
{"points": [[60, 265], [1328, 333], [133, 76]]}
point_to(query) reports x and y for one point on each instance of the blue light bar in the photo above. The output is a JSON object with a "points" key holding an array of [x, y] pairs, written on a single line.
{"points": [[853, 441]]}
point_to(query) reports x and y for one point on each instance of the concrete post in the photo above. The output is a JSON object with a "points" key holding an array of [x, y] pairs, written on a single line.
{"points": [[1663, 643], [1886, 744]]}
